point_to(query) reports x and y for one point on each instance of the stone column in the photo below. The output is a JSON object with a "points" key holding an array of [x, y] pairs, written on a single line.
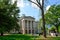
{"points": [[23, 26], [31, 26], [34, 26], [27, 27]]}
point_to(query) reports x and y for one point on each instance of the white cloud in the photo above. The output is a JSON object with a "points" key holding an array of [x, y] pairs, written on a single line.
{"points": [[35, 6], [34, 1], [47, 8], [27, 4], [41, 2], [20, 3]]}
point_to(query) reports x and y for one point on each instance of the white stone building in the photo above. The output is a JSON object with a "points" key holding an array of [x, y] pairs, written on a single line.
{"points": [[28, 25]]}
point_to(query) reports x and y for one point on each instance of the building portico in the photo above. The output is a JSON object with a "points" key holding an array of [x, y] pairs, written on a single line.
{"points": [[28, 25]]}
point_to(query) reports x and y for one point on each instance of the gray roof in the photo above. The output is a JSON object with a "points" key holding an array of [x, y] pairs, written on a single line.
{"points": [[27, 17]]}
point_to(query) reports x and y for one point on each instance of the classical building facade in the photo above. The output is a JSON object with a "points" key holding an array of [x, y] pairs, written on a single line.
{"points": [[27, 25]]}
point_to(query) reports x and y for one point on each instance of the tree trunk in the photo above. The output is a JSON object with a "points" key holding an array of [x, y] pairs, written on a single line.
{"points": [[42, 10], [57, 29], [44, 33], [1, 33]]}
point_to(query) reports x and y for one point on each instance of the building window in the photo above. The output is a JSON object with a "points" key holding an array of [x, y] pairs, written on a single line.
{"points": [[26, 31], [32, 31], [29, 31]]}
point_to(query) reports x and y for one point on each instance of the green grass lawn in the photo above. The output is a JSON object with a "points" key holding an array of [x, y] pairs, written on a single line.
{"points": [[17, 37], [26, 37], [50, 38], [53, 38]]}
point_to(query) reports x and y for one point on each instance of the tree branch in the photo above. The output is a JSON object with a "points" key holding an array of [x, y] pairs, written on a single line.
{"points": [[36, 4], [39, 3]]}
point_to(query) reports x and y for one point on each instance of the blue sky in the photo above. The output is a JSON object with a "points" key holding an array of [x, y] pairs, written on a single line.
{"points": [[30, 10]]}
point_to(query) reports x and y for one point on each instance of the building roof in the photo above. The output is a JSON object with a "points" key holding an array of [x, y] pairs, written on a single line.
{"points": [[22, 17]]}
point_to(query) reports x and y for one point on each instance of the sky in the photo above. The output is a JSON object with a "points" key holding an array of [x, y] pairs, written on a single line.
{"points": [[30, 9]]}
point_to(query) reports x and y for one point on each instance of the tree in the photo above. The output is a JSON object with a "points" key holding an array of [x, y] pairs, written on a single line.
{"points": [[41, 6], [40, 26], [8, 15], [53, 16], [52, 28]]}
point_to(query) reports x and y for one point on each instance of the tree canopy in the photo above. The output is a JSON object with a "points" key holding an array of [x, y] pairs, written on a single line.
{"points": [[8, 15], [53, 16]]}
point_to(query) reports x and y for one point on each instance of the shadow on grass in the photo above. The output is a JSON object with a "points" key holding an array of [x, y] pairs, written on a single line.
{"points": [[49, 38], [54, 38]]}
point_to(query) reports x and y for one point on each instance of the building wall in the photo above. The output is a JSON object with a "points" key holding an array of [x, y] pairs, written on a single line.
{"points": [[28, 25]]}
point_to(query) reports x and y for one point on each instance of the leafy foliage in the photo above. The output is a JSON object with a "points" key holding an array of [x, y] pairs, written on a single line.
{"points": [[8, 15], [53, 16]]}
